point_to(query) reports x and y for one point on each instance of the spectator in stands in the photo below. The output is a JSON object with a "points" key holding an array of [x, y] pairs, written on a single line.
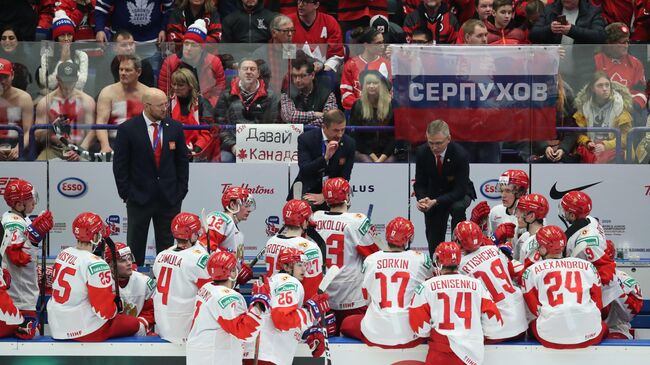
{"points": [[422, 36], [617, 11], [145, 19], [125, 45], [246, 101], [187, 106], [273, 59], [584, 24], [16, 105], [250, 23], [357, 13], [620, 66], [475, 32], [501, 29], [82, 14], [65, 105], [641, 22], [11, 50], [370, 59], [63, 34], [120, 101], [607, 104], [319, 35], [306, 99], [206, 67], [484, 9], [533, 10], [187, 12], [435, 15], [374, 108], [24, 16], [393, 33]]}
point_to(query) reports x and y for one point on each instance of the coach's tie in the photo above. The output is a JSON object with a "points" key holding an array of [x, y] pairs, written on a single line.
{"points": [[439, 164], [157, 144]]}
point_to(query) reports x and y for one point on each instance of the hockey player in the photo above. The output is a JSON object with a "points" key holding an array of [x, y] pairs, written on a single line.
{"points": [[83, 306], [238, 203], [490, 266], [390, 278], [350, 239], [452, 310], [291, 317], [180, 272], [531, 211], [623, 309], [296, 214], [20, 244], [136, 289], [586, 240], [11, 322], [564, 295], [221, 321]]}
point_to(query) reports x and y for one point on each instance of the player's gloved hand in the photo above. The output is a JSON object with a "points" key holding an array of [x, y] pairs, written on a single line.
{"points": [[106, 232], [316, 341], [118, 303], [6, 276], [261, 294], [480, 212], [27, 330], [318, 305], [506, 248], [245, 274], [40, 226], [504, 231], [485, 241], [330, 324]]}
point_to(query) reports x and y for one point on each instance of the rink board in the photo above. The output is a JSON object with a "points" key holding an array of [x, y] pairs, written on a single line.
{"points": [[141, 351], [621, 195]]}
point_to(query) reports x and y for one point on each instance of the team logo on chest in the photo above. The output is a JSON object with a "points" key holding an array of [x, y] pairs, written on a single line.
{"points": [[260, 24]]}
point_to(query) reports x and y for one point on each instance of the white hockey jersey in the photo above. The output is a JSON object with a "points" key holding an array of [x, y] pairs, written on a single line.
{"points": [[457, 307], [313, 266], [586, 240], [490, 266], [282, 329], [224, 235], [221, 323], [389, 280], [137, 291], [82, 294], [564, 294], [9, 314], [349, 238], [624, 308], [499, 215], [527, 249], [179, 275], [20, 257]]}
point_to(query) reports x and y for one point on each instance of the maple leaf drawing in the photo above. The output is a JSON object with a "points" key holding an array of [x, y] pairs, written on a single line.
{"points": [[242, 155]]}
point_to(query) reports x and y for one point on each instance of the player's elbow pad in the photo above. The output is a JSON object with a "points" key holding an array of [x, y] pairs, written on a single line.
{"points": [[285, 319]]}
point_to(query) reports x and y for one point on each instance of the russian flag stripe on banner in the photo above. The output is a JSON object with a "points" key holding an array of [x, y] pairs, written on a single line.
{"points": [[484, 93]]}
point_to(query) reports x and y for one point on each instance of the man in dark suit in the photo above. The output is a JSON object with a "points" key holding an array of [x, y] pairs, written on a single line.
{"points": [[324, 153], [151, 170], [442, 186]]}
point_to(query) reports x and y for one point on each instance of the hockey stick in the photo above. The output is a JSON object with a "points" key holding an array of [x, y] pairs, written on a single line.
{"points": [[111, 246], [204, 223], [327, 280]]}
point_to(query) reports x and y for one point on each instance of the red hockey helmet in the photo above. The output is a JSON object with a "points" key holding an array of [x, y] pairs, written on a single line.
{"points": [[399, 231], [469, 235], [18, 190], [121, 249], [220, 265], [448, 254], [535, 203], [296, 212], [577, 203], [289, 255], [184, 225], [86, 226], [336, 190], [518, 178], [552, 239], [240, 195]]}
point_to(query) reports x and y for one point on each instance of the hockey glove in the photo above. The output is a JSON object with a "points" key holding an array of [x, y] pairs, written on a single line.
{"points": [[245, 274], [40, 226], [504, 232], [480, 212], [506, 248], [6, 276], [316, 341], [27, 330], [318, 305], [330, 324], [262, 300]]}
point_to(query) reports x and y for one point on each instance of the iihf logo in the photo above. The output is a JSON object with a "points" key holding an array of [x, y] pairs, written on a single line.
{"points": [[272, 223]]}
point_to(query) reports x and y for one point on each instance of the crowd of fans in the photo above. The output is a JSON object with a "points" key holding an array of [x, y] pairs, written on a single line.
{"points": [[254, 61]]}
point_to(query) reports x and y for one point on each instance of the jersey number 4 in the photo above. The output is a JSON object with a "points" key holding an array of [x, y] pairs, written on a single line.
{"points": [[163, 283]]}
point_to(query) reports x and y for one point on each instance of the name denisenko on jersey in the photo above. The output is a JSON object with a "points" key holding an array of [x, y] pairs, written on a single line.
{"points": [[453, 284], [259, 189]]}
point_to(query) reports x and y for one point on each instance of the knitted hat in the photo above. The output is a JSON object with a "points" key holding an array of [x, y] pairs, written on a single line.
{"points": [[61, 24], [6, 67], [616, 31], [196, 32]]}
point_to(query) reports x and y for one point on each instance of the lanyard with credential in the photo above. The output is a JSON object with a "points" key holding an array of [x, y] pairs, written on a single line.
{"points": [[157, 137]]}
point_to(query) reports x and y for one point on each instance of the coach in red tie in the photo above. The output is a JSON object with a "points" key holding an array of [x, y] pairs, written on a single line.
{"points": [[442, 185], [151, 170]]}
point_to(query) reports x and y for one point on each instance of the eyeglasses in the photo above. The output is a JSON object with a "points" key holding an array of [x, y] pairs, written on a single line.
{"points": [[290, 30]]}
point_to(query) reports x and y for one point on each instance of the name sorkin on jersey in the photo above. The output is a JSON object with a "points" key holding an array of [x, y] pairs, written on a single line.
{"points": [[478, 91], [258, 189]]}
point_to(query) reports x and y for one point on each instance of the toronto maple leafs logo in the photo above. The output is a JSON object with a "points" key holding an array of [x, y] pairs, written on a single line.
{"points": [[140, 12], [260, 24]]}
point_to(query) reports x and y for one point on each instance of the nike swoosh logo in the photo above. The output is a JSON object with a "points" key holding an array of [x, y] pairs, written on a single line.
{"points": [[557, 194]]}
